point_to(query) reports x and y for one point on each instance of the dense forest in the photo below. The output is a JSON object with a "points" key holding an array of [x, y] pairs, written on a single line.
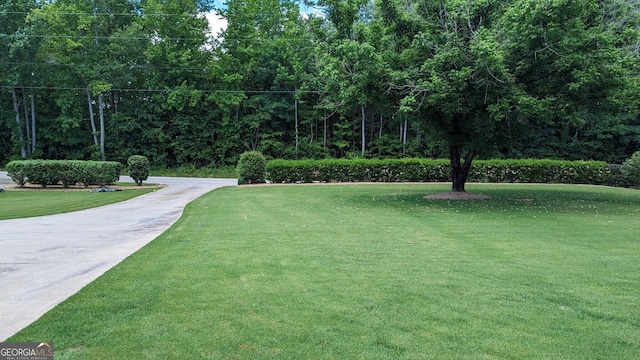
{"points": [[106, 79]]}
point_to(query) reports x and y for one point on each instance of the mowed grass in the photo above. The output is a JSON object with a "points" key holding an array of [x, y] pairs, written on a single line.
{"points": [[371, 272], [16, 204]]}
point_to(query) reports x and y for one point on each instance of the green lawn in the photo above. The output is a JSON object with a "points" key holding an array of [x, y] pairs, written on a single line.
{"points": [[15, 204], [371, 272]]}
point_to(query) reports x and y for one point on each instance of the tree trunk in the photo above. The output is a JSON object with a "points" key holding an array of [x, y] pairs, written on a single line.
{"points": [[380, 135], [101, 112], [372, 127], [16, 109], [296, 125], [33, 123], [404, 136], [459, 172], [324, 131], [92, 117], [27, 127], [363, 131]]}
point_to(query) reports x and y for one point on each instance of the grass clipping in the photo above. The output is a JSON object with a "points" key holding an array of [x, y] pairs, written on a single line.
{"points": [[456, 195]]}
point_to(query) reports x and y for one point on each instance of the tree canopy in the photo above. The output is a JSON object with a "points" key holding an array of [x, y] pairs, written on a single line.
{"points": [[461, 79]]}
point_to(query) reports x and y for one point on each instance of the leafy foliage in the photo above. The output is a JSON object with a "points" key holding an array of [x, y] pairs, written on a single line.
{"points": [[617, 177], [63, 172], [386, 79], [427, 170], [138, 168], [631, 169], [251, 168]]}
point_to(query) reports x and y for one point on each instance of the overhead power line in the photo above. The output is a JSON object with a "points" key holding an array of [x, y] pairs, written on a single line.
{"points": [[170, 90], [93, 37], [150, 38], [140, 14], [125, 66]]}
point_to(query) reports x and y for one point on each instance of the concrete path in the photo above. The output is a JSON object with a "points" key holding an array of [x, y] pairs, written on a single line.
{"points": [[44, 260]]}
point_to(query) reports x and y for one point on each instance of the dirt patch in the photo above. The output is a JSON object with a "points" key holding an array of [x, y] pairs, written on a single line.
{"points": [[456, 195]]}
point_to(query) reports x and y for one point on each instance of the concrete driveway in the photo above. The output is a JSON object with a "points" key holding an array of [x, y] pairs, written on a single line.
{"points": [[44, 260]]}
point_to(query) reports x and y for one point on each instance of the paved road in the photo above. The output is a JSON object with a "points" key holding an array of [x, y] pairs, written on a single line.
{"points": [[44, 260]]}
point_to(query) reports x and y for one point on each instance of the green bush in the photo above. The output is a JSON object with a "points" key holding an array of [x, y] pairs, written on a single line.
{"points": [[63, 172], [103, 173], [429, 170], [138, 168], [251, 168], [631, 169], [540, 171], [17, 172], [617, 177], [358, 170]]}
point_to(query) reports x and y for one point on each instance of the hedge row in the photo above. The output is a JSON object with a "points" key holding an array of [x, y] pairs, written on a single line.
{"points": [[64, 172], [428, 170]]}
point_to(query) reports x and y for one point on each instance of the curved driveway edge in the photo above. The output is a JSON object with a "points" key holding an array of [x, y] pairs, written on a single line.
{"points": [[44, 260]]}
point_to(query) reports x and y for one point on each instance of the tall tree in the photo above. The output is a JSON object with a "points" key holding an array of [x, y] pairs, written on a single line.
{"points": [[573, 57], [454, 73], [17, 71], [475, 70], [352, 73], [456, 78], [75, 42], [265, 45], [178, 72]]}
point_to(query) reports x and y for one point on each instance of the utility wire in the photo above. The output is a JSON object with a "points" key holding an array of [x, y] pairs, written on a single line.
{"points": [[206, 91], [150, 38], [93, 37], [141, 14], [127, 66]]}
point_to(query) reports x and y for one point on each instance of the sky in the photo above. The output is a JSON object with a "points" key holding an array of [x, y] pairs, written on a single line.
{"points": [[216, 23]]}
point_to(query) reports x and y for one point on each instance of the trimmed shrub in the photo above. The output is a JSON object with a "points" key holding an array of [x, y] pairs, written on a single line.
{"points": [[429, 170], [138, 168], [540, 171], [64, 172], [359, 170], [617, 178], [251, 168], [631, 169], [17, 172], [103, 173]]}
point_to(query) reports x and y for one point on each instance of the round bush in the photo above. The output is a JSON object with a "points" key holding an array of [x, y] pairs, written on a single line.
{"points": [[631, 169], [252, 168], [138, 168]]}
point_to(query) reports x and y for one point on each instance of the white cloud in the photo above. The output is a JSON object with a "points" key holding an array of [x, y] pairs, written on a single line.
{"points": [[216, 23]]}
